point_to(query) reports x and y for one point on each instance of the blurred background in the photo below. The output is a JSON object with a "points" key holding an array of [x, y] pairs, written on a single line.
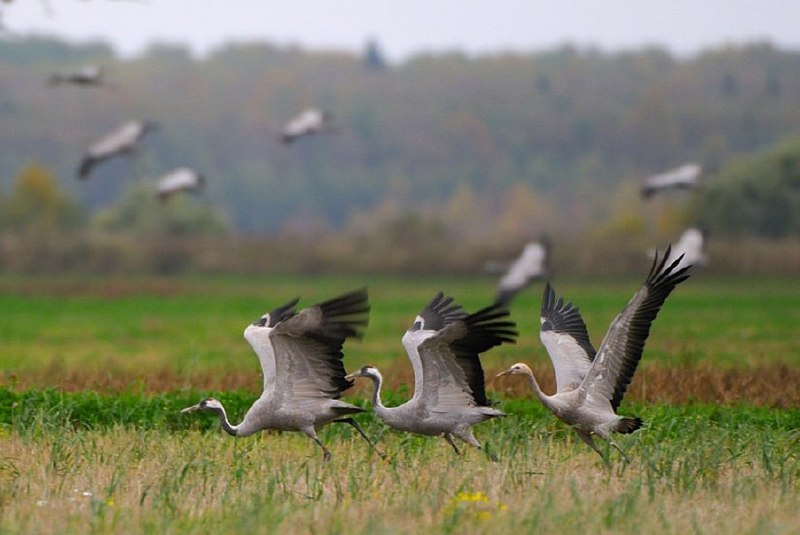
{"points": [[455, 134]]}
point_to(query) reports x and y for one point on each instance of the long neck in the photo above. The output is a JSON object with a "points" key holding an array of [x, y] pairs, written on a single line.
{"points": [[377, 383], [544, 398], [226, 425]]}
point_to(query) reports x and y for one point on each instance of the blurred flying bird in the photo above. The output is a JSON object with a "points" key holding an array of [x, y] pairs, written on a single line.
{"points": [[530, 266], [684, 177], [88, 75], [309, 121], [692, 246], [301, 362], [590, 385], [181, 179], [122, 141], [444, 345]]}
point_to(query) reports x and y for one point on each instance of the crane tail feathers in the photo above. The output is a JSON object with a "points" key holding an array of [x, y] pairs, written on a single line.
{"points": [[628, 425]]}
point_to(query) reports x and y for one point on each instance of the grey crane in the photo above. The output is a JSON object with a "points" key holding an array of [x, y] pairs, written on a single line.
{"points": [[178, 180], [307, 122], [301, 361], [692, 245], [590, 384], [88, 75], [124, 140], [444, 345], [683, 177], [530, 266]]}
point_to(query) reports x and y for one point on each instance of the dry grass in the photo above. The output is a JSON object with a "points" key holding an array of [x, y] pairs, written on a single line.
{"points": [[125, 481], [773, 385]]}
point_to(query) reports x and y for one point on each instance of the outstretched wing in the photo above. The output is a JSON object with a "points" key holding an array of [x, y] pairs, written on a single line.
{"points": [[440, 311], [563, 333], [451, 359], [622, 347], [306, 349]]}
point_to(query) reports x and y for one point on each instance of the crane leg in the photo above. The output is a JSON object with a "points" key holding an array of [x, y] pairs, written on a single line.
{"points": [[611, 441], [362, 433], [467, 436], [326, 455], [587, 438], [449, 438]]}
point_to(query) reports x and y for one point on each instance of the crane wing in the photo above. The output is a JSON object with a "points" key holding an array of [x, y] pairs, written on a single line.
{"points": [[622, 347], [440, 311], [307, 349], [563, 333], [451, 359]]}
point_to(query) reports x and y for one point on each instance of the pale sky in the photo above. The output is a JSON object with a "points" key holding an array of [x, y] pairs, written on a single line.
{"points": [[413, 26]]}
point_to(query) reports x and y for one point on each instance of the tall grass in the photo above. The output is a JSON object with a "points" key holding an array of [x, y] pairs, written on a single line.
{"points": [[701, 469]]}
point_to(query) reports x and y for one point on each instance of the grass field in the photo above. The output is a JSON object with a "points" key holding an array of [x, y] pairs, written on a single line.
{"points": [[96, 371]]}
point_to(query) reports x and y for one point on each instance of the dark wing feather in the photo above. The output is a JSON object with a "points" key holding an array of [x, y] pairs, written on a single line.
{"points": [[440, 312], [485, 329], [314, 339], [565, 318], [622, 347], [282, 313]]}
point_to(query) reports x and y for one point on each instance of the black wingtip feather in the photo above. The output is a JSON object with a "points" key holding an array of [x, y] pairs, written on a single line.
{"points": [[565, 318]]}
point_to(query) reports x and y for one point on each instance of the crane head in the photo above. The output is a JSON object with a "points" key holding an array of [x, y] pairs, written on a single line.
{"points": [[208, 404], [368, 371], [517, 369]]}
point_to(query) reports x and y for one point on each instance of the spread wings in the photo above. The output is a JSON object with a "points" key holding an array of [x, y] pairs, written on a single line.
{"points": [[563, 333], [622, 347], [301, 353], [449, 358]]}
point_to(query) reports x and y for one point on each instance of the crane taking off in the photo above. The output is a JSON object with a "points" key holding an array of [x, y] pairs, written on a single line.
{"points": [[444, 345], [301, 361], [590, 384]]}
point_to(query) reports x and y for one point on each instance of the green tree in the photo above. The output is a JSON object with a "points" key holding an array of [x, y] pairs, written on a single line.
{"points": [[38, 205], [759, 195]]}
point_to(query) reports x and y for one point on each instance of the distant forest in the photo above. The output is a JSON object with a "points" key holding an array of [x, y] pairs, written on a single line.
{"points": [[573, 125]]}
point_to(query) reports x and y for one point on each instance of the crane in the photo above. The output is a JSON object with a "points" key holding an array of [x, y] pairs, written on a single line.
{"points": [[123, 140], [692, 245], [590, 384], [683, 177], [180, 179], [444, 346], [301, 362], [88, 75], [307, 122], [531, 265]]}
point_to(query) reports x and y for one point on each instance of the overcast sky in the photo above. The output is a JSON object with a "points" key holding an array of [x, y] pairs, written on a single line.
{"points": [[413, 26]]}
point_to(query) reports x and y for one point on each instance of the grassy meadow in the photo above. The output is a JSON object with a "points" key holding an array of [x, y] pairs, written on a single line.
{"points": [[95, 372]]}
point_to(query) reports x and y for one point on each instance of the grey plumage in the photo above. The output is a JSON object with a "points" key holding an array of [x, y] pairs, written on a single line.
{"points": [[444, 346], [307, 122], [683, 177], [590, 386], [178, 180], [124, 140], [301, 361], [531, 265]]}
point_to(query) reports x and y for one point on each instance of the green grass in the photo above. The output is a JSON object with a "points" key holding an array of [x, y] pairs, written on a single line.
{"points": [[198, 324]]}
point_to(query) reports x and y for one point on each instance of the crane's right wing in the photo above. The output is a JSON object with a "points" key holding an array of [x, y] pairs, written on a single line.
{"points": [[622, 347], [563, 333]]}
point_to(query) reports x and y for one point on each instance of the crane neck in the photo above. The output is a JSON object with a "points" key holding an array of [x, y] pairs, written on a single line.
{"points": [[544, 398], [377, 383], [226, 425]]}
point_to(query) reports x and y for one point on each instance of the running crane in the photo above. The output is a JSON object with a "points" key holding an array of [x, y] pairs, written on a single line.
{"points": [[301, 361], [444, 346], [590, 384]]}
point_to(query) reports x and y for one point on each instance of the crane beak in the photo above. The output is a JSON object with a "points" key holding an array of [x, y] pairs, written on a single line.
{"points": [[352, 376], [503, 374], [191, 409]]}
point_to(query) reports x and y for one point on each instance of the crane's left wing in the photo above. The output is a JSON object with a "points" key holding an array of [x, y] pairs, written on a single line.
{"points": [[451, 358], [308, 348], [622, 347]]}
